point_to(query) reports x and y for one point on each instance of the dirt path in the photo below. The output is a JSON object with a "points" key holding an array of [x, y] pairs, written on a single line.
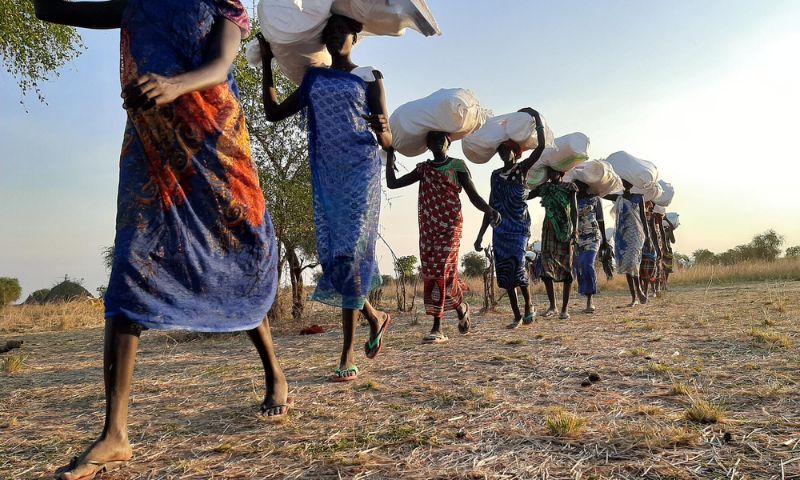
{"points": [[477, 407]]}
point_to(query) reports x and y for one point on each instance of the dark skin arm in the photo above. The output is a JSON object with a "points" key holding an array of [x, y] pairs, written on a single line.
{"points": [[573, 214], [96, 15], [465, 179], [645, 223], [222, 47], [526, 164], [376, 100], [533, 194], [391, 179], [482, 231], [598, 213]]}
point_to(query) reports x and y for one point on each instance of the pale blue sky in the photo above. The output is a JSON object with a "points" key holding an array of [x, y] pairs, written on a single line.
{"points": [[708, 90]]}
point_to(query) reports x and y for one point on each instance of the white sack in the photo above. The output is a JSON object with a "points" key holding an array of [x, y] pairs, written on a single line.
{"points": [[651, 192], [519, 127], [389, 17], [293, 28], [668, 193], [452, 110], [660, 210], [537, 175], [643, 175], [569, 151], [674, 218], [598, 175]]}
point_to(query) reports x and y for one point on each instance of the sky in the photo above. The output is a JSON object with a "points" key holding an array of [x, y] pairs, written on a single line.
{"points": [[708, 91]]}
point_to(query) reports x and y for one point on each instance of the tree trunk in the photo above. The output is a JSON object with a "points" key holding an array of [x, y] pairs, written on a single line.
{"points": [[298, 288]]}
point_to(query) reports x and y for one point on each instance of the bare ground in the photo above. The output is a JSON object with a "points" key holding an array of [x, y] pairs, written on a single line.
{"points": [[477, 407]]}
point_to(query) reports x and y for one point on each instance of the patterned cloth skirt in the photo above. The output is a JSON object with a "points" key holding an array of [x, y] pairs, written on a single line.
{"points": [[556, 255]]}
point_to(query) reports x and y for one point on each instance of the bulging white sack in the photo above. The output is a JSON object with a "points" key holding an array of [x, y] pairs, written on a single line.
{"points": [[668, 193], [293, 27], [519, 127], [598, 175], [643, 175], [569, 151], [660, 210], [389, 17], [651, 192], [537, 175], [674, 218], [453, 110]]}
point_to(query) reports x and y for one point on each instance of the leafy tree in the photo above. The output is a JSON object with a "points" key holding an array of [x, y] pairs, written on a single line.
{"points": [[473, 264], [793, 252], [280, 151], [387, 280], [32, 51], [10, 290], [108, 256], [38, 297], [766, 246], [405, 265], [703, 256]]}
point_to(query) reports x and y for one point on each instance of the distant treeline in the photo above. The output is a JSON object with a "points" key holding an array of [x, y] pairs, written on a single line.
{"points": [[763, 247]]}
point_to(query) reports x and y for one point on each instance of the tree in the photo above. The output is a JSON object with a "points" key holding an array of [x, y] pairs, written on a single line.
{"points": [[703, 256], [33, 51], [473, 264], [280, 152], [10, 290], [766, 246], [405, 265], [793, 252]]}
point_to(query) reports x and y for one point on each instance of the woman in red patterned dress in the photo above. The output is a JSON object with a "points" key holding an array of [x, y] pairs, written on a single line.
{"points": [[440, 222]]}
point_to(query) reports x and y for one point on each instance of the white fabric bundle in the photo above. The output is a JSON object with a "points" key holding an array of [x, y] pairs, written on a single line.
{"points": [[452, 110], [659, 209], [569, 151], [643, 175], [537, 175], [598, 175], [668, 193], [519, 127], [293, 27]]}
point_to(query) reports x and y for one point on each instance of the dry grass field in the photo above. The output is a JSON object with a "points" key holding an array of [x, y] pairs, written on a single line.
{"points": [[701, 383]]}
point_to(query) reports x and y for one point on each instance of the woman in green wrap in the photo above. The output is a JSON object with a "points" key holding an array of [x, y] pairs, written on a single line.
{"points": [[559, 232]]}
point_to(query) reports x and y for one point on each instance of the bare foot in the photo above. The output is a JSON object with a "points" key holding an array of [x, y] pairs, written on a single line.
{"points": [[642, 298], [633, 303], [93, 461], [550, 312]]}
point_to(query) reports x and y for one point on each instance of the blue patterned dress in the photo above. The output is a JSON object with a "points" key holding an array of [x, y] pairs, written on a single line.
{"points": [[589, 238], [345, 175], [194, 247], [629, 234], [509, 196]]}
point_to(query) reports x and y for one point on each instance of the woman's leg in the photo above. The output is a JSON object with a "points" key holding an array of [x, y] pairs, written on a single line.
{"points": [[119, 357], [276, 389], [551, 296], [526, 295], [349, 323], [437, 325], [642, 295], [589, 303], [512, 299], [633, 286], [565, 297], [374, 317]]}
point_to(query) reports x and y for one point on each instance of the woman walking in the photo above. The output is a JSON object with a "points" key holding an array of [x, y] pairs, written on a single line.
{"points": [[629, 238], [509, 196], [558, 234], [591, 240], [440, 222], [194, 247], [345, 108]]}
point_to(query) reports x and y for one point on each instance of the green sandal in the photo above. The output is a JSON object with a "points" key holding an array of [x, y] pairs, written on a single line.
{"points": [[373, 347], [346, 374], [529, 318]]}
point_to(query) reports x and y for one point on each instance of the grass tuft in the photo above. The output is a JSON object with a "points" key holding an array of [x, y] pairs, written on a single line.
{"points": [[564, 424], [12, 364], [764, 337], [703, 411]]}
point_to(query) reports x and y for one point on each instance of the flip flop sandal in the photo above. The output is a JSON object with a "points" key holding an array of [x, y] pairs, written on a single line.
{"points": [[563, 316], [285, 407], [373, 347], [465, 322], [548, 313], [514, 325], [589, 310], [100, 467], [346, 375], [529, 318], [433, 338]]}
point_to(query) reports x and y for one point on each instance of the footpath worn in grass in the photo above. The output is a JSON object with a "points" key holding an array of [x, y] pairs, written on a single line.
{"points": [[702, 383]]}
